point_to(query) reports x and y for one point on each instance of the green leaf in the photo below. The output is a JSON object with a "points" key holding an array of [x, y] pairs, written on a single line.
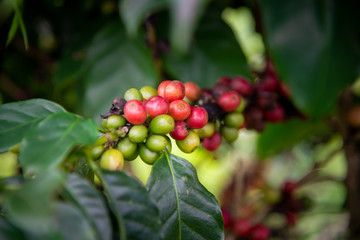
{"points": [[114, 64], [30, 205], [91, 203], [12, 31], [17, 20], [187, 209], [17, 118], [47, 144], [212, 56], [133, 12], [185, 15], [280, 136], [8, 231], [314, 45], [133, 203]]}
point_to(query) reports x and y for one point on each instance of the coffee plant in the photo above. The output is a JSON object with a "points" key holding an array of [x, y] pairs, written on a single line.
{"points": [[92, 91]]}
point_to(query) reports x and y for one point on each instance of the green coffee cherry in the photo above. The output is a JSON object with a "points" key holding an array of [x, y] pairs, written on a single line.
{"points": [[206, 131], [96, 151], [112, 159], [162, 124], [148, 91], [241, 106], [133, 94], [234, 119], [138, 133], [229, 133], [156, 143], [148, 156], [106, 138], [127, 148], [115, 121], [190, 143]]}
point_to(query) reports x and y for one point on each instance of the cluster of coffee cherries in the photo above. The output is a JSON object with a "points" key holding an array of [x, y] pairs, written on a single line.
{"points": [[140, 124]]}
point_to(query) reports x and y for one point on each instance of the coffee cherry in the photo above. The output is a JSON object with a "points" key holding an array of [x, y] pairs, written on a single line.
{"points": [[156, 143], [234, 119], [96, 151], [212, 143], [147, 92], [162, 124], [179, 110], [180, 131], [138, 133], [291, 219], [229, 133], [227, 218], [190, 143], [260, 232], [127, 148], [270, 83], [242, 85], [220, 89], [229, 101], [206, 131], [156, 106], [161, 88], [241, 106], [198, 118], [289, 187], [148, 156], [115, 121], [192, 91], [225, 80], [275, 115], [135, 112], [214, 111], [242, 227], [112, 159], [175, 90], [133, 94]]}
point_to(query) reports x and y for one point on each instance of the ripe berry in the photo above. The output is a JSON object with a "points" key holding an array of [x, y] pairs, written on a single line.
{"points": [[270, 82], [212, 143], [127, 148], [132, 94], [229, 101], [291, 219], [260, 232], [206, 131], [234, 119], [135, 112], [242, 227], [198, 118], [242, 86], [161, 88], [192, 91], [225, 80], [138, 133], [162, 124], [180, 131], [289, 187], [179, 110], [175, 90], [115, 121], [190, 143], [220, 89], [148, 91], [275, 115], [227, 218], [148, 156], [156, 106], [229, 133], [112, 159], [156, 143]]}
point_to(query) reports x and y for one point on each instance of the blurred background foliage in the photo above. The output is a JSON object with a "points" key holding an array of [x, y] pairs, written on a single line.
{"points": [[83, 54]]}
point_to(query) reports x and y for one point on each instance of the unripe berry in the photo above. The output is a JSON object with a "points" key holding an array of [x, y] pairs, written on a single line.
{"points": [[115, 121], [180, 131], [179, 110], [112, 159], [147, 92], [192, 91], [212, 143], [190, 143], [135, 112], [198, 118], [148, 156], [229, 101], [206, 131], [127, 148], [156, 143], [229, 133], [162, 124], [175, 90], [156, 105], [96, 151], [138, 133], [234, 119], [133, 94], [242, 85]]}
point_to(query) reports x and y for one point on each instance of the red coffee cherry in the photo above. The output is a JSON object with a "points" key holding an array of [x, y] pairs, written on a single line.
{"points": [[260, 232], [198, 118], [275, 115], [242, 85], [229, 101], [180, 131], [179, 110], [156, 105], [192, 91], [161, 87], [227, 218], [289, 187], [212, 143], [242, 227], [135, 112], [175, 90], [225, 80]]}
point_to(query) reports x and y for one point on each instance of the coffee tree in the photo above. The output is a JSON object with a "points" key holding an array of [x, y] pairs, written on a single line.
{"points": [[87, 87]]}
